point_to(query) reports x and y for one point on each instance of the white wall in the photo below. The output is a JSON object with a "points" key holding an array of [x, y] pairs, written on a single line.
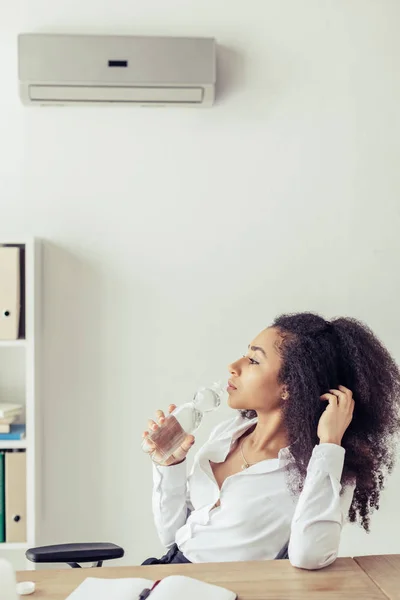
{"points": [[173, 236]]}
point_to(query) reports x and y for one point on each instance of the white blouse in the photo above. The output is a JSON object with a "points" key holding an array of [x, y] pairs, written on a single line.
{"points": [[257, 514]]}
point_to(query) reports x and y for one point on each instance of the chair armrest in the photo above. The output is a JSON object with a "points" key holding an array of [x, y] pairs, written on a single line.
{"points": [[74, 553]]}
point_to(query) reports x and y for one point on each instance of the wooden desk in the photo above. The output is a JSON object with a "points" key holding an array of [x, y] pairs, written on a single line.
{"points": [[384, 571], [265, 580]]}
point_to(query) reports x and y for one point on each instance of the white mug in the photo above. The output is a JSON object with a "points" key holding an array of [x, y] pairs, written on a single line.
{"points": [[8, 586]]}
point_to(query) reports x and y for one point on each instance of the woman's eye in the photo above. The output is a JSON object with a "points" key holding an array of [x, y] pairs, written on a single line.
{"points": [[252, 361]]}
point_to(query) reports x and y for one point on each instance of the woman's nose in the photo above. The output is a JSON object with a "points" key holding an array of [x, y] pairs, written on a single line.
{"points": [[232, 368]]}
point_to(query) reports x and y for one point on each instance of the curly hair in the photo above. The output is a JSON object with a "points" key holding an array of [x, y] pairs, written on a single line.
{"points": [[318, 355]]}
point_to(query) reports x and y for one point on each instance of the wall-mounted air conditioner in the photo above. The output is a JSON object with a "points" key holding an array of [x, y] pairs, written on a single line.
{"points": [[103, 69]]}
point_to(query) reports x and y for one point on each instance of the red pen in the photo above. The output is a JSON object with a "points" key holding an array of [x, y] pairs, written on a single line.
{"points": [[147, 591]]}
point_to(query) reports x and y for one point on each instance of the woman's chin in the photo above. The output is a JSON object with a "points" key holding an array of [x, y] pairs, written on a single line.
{"points": [[233, 403]]}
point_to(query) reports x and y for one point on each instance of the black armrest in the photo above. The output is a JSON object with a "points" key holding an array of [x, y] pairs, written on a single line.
{"points": [[74, 553]]}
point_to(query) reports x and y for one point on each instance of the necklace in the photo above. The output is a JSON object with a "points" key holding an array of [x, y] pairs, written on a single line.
{"points": [[245, 465]]}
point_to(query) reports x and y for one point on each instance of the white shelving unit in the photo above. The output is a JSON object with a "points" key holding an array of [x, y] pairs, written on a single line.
{"points": [[20, 359]]}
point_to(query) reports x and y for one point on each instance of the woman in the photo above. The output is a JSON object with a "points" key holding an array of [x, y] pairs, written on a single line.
{"points": [[311, 447]]}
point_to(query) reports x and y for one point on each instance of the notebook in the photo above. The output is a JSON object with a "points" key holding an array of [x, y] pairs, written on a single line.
{"points": [[174, 587]]}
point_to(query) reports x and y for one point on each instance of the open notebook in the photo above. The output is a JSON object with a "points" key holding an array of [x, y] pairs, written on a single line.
{"points": [[174, 587]]}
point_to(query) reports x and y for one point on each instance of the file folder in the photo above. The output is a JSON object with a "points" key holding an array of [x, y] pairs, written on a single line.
{"points": [[15, 468], [10, 292], [2, 499]]}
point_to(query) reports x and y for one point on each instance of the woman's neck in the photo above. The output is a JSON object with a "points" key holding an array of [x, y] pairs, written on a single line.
{"points": [[269, 435]]}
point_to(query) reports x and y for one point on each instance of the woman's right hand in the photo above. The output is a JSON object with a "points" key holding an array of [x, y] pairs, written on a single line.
{"points": [[180, 454]]}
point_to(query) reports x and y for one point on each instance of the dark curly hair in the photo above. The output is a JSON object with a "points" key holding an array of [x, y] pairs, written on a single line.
{"points": [[318, 355]]}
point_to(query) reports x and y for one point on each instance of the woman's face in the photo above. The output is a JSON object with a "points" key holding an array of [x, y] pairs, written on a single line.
{"points": [[255, 375]]}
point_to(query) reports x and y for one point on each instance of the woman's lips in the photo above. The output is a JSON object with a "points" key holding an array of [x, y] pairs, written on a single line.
{"points": [[230, 387]]}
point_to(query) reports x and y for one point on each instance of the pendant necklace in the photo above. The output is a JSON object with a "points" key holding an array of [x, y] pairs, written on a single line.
{"points": [[245, 465]]}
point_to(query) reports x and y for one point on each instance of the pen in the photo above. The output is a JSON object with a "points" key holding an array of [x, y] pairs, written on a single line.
{"points": [[147, 591]]}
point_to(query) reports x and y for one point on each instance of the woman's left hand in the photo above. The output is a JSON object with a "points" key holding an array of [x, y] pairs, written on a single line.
{"points": [[337, 416]]}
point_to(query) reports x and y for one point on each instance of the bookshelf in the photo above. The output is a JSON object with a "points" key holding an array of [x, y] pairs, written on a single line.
{"points": [[19, 382]]}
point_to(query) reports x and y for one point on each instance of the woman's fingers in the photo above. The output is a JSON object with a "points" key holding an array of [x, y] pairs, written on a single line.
{"points": [[178, 456], [148, 445], [152, 425], [348, 400], [346, 391], [343, 393], [331, 398], [342, 398], [151, 448], [160, 416], [183, 449], [187, 443]]}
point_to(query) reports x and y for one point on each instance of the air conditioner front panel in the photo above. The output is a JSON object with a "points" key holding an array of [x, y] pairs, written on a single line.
{"points": [[96, 59]]}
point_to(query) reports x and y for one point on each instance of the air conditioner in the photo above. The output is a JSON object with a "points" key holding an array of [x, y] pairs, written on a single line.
{"points": [[108, 69]]}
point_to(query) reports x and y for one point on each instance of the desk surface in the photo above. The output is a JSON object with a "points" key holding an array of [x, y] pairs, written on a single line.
{"points": [[384, 571], [264, 580]]}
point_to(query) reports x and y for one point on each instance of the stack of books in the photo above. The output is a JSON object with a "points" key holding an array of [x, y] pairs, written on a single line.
{"points": [[9, 430]]}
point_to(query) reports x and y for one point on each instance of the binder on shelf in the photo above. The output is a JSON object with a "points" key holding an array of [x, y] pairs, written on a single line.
{"points": [[15, 493], [2, 500], [10, 292]]}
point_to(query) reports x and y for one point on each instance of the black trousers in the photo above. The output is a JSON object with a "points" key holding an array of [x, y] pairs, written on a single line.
{"points": [[174, 555]]}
